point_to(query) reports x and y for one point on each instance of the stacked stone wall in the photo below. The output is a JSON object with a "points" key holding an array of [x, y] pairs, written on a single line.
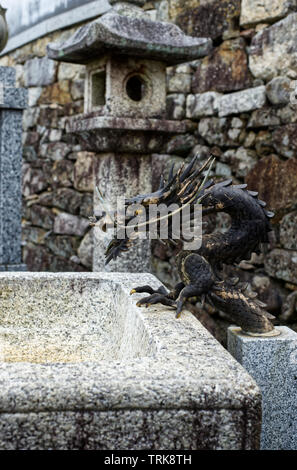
{"points": [[241, 105]]}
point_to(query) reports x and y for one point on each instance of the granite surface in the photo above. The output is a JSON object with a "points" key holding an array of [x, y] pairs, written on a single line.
{"points": [[12, 102], [10, 184], [84, 368], [272, 362], [7, 76], [14, 98]]}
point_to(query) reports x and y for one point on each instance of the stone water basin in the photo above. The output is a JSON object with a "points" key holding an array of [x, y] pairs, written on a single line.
{"points": [[81, 367]]}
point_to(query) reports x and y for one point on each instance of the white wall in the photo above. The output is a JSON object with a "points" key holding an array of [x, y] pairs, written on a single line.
{"points": [[30, 19]]}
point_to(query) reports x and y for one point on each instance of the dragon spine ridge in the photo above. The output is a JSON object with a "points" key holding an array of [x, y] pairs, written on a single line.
{"points": [[199, 269]]}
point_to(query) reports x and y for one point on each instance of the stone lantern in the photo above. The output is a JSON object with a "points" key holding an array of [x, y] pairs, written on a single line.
{"points": [[124, 119]]}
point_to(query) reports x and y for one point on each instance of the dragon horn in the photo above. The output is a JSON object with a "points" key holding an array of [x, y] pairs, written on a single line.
{"points": [[162, 183], [170, 176], [189, 168]]}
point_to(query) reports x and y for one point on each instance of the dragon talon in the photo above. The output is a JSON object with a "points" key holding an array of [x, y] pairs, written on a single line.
{"points": [[133, 291]]}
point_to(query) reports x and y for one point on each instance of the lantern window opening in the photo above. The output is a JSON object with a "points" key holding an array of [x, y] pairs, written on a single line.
{"points": [[98, 87], [136, 87]]}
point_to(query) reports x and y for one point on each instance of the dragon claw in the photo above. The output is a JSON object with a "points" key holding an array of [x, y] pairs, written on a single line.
{"points": [[132, 291]]}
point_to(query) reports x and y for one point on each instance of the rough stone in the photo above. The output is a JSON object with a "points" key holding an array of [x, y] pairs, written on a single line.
{"points": [[234, 134], [33, 234], [86, 207], [289, 308], [176, 106], [264, 145], [204, 104], [83, 171], [214, 19], [48, 116], [278, 90], [135, 2], [223, 170], [272, 363], [62, 173], [273, 50], [287, 114], [77, 89], [46, 199], [178, 82], [242, 101], [54, 151], [40, 72], [264, 11], [264, 117], [241, 160], [282, 264], [34, 95], [55, 135], [39, 258], [250, 139], [163, 11], [268, 290], [237, 123], [41, 216], [67, 199], [97, 356], [288, 234], [68, 224], [29, 154], [62, 245], [85, 250], [34, 180], [30, 118], [276, 182], [31, 138], [181, 144], [57, 93], [225, 69], [284, 140], [70, 71], [215, 131]]}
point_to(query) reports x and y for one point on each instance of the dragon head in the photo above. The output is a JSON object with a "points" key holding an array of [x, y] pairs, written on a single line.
{"points": [[184, 188]]}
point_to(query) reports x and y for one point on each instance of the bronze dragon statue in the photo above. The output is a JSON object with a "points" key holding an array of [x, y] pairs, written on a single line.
{"points": [[200, 269]]}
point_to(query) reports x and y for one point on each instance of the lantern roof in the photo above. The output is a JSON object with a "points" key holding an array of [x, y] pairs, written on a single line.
{"points": [[128, 31]]}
